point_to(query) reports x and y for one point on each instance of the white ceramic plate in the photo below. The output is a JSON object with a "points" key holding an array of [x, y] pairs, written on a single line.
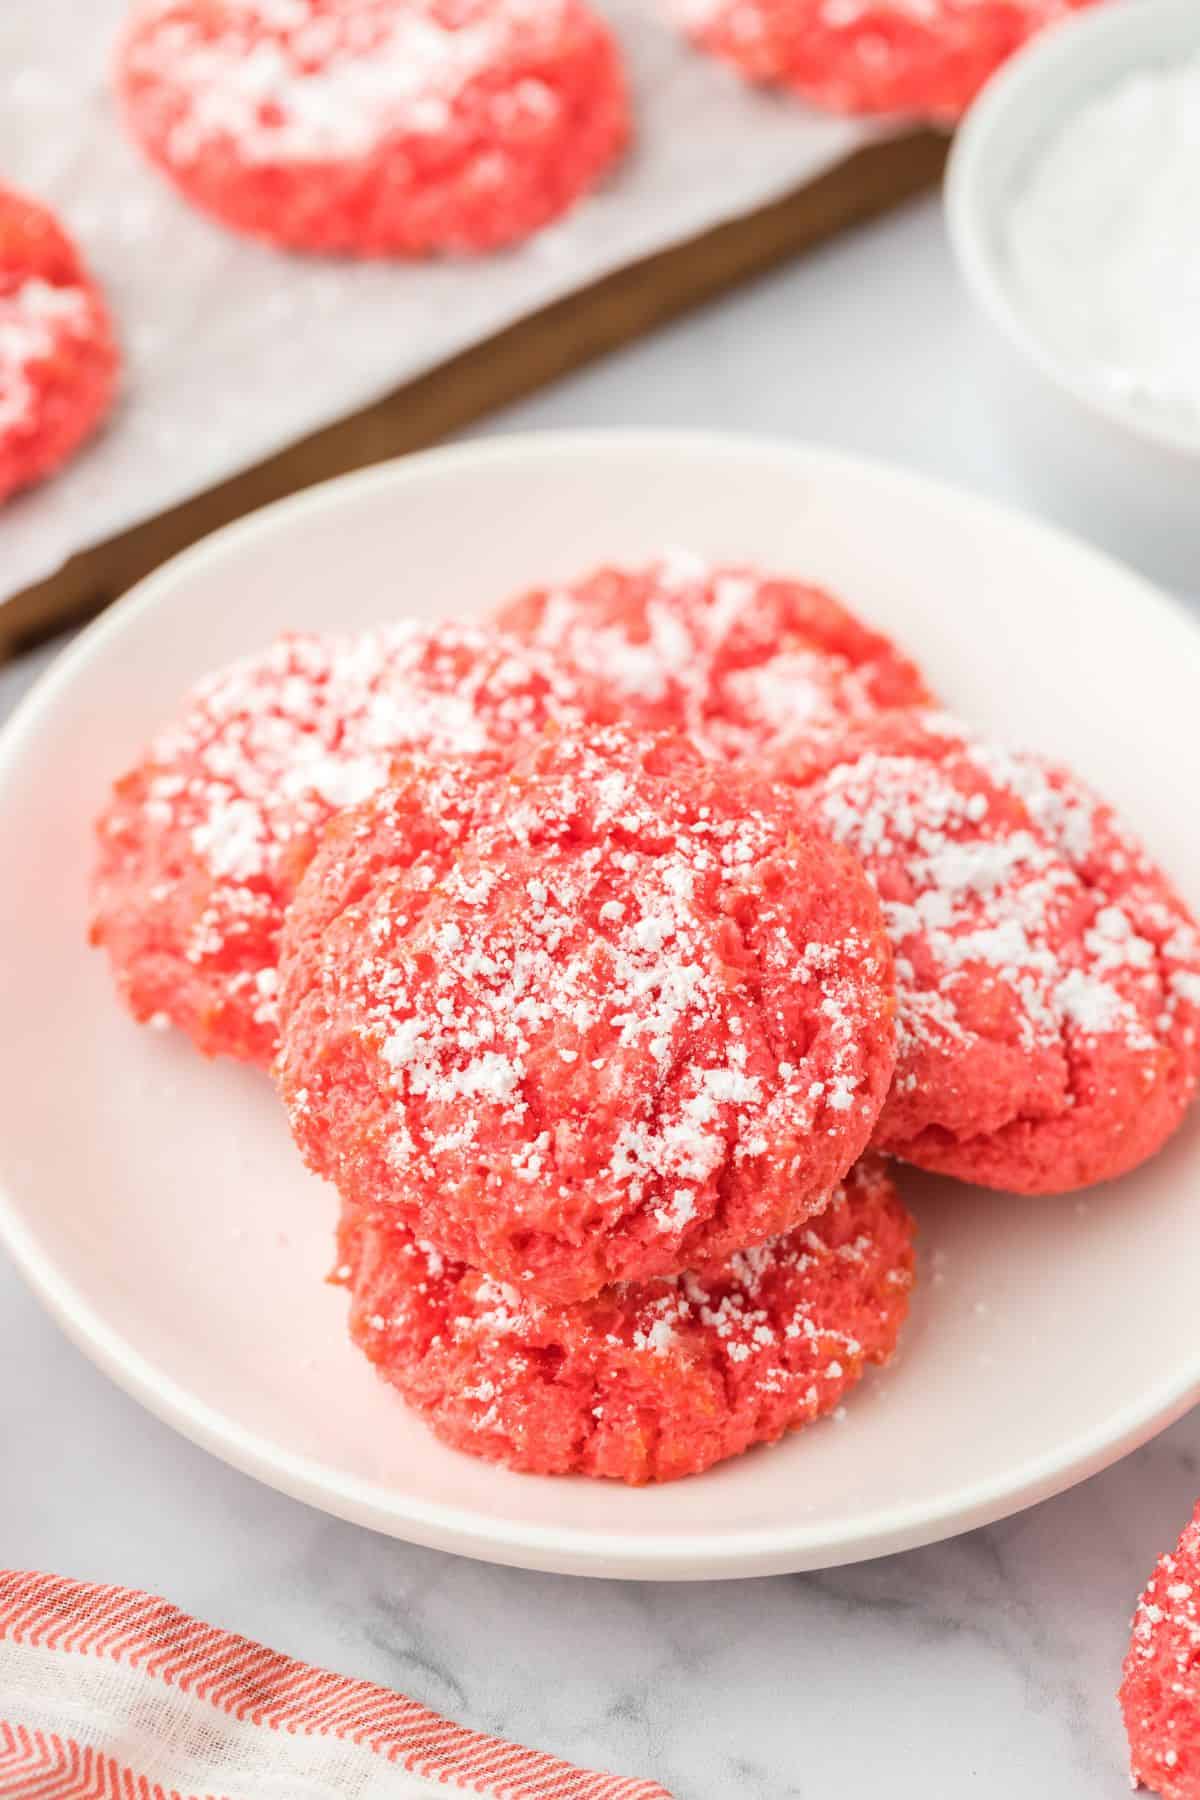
{"points": [[155, 1202]]}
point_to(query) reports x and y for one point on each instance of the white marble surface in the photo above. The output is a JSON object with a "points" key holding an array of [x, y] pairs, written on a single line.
{"points": [[985, 1666]]}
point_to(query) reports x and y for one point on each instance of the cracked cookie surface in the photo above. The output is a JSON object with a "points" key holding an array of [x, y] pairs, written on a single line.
{"points": [[738, 659], [1047, 974], [204, 840], [643, 1382], [376, 127], [632, 1015]]}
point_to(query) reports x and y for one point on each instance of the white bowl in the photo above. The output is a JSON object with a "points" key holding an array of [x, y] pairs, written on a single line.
{"points": [[156, 1204], [1134, 477]]}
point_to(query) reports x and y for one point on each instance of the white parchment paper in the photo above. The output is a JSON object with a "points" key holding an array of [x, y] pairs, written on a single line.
{"points": [[234, 350]]}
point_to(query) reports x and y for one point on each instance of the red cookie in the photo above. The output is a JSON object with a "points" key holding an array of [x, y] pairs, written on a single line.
{"points": [[1048, 976], [923, 57], [643, 1382], [204, 841], [1160, 1692], [735, 658], [376, 127], [636, 1016], [58, 355]]}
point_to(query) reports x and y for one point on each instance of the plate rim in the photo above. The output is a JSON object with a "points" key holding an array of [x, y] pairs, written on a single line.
{"points": [[567, 1549]]}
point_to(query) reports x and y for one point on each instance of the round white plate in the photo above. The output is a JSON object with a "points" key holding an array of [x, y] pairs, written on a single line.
{"points": [[156, 1204]]}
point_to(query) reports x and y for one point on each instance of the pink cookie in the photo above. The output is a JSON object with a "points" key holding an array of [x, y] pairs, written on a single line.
{"points": [[630, 1016], [1160, 1691], [58, 355], [1048, 975], [737, 659], [376, 127], [205, 839], [641, 1383], [926, 58]]}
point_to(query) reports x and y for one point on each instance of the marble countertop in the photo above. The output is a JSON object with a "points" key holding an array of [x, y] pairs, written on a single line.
{"points": [[984, 1666]]}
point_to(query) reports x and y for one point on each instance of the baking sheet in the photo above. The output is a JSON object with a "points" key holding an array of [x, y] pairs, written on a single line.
{"points": [[234, 350]]}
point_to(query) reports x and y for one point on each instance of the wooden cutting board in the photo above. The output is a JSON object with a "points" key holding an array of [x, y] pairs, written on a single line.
{"points": [[538, 349]]}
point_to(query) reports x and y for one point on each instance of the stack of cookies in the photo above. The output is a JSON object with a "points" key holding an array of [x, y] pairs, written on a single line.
{"points": [[601, 954]]}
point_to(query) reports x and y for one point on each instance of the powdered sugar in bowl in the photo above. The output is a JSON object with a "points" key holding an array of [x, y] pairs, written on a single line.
{"points": [[1071, 207]]}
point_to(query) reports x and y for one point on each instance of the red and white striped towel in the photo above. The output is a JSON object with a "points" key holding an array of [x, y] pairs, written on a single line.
{"points": [[106, 1694]]}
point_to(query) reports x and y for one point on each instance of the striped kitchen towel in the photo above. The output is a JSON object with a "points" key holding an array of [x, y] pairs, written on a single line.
{"points": [[107, 1694]]}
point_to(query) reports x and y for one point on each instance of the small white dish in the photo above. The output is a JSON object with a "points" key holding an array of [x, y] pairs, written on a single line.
{"points": [[156, 1203], [1122, 462]]}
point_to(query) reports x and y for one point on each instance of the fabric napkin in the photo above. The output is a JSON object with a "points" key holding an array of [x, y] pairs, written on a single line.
{"points": [[108, 1694]]}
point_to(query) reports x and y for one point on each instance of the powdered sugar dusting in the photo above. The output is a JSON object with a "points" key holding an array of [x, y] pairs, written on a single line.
{"points": [[1017, 910], [639, 1004], [736, 658], [232, 796], [916, 58], [644, 984], [269, 747], [1160, 1698], [649, 1380], [32, 318], [292, 81]]}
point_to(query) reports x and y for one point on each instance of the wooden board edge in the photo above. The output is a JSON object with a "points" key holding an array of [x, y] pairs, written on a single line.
{"points": [[536, 350]]}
